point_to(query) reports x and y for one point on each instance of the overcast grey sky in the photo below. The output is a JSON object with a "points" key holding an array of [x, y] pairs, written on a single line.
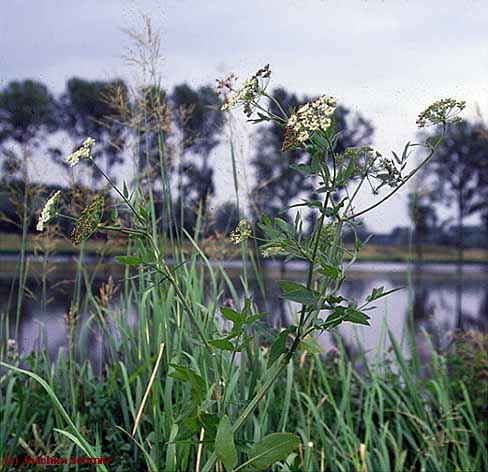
{"points": [[386, 59]]}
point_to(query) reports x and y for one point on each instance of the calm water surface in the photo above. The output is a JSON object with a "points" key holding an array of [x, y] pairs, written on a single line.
{"points": [[435, 298]]}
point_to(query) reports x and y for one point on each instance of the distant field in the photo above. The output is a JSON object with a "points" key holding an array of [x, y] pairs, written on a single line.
{"points": [[9, 244]]}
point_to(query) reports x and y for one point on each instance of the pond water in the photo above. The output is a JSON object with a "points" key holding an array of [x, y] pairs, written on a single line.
{"points": [[436, 299]]}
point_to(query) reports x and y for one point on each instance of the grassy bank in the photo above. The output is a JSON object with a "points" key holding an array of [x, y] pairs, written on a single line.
{"points": [[387, 416], [350, 413]]}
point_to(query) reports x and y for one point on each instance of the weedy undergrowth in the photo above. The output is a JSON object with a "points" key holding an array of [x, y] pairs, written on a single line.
{"points": [[218, 358]]}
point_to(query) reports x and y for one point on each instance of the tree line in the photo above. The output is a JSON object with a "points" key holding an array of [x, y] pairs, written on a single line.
{"points": [[175, 134]]}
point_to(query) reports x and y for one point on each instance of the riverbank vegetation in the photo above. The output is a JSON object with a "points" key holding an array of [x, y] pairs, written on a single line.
{"points": [[199, 379]]}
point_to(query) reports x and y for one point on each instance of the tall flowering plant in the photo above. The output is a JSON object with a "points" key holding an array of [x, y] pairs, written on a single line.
{"points": [[338, 179]]}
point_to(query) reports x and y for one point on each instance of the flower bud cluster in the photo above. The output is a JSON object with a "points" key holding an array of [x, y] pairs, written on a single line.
{"points": [[248, 94], [370, 162], [394, 175], [88, 220], [327, 235], [363, 154], [441, 112]]}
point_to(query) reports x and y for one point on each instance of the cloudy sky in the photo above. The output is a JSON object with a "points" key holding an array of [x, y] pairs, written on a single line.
{"points": [[386, 59]]}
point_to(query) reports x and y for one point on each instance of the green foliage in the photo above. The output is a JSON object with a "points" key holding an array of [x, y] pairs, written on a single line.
{"points": [[297, 293], [224, 444], [208, 403], [198, 116], [271, 449], [403, 418], [459, 176], [27, 109], [197, 382]]}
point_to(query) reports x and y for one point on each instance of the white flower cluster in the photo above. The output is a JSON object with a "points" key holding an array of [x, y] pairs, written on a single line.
{"points": [[84, 152], [313, 116], [48, 211], [242, 232]]}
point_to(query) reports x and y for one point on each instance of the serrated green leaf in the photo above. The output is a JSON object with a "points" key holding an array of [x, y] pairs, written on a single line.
{"points": [[283, 225], [315, 167], [314, 204], [350, 169], [330, 271], [302, 168], [254, 318]]}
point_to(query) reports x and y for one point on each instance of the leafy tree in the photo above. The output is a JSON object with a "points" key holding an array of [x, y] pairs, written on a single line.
{"points": [[455, 175], [26, 109], [424, 219], [482, 131], [89, 110], [226, 218], [354, 129], [200, 121], [151, 122], [27, 112]]}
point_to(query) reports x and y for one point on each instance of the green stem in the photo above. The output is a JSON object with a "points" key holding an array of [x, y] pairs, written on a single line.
{"points": [[122, 229], [275, 372], [112, 184], [277, 103], [396, 189], [164, 269]]}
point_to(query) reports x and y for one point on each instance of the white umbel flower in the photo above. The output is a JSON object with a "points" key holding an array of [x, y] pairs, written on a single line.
{"points": [[48, 211], [311, 117], [84, 152], [441, 112]]}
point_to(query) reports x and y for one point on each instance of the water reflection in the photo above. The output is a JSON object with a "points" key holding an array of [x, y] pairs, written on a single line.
{"points": [[436, 299]]}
